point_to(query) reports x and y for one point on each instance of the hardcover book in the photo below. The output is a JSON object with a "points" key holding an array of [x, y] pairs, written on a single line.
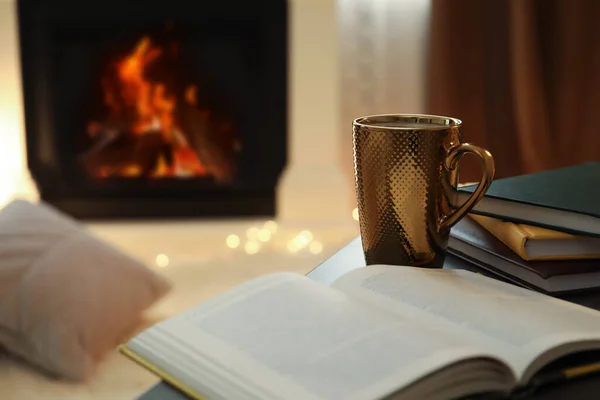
{"points": [[565, 199], [533, 243], [471, 242]]}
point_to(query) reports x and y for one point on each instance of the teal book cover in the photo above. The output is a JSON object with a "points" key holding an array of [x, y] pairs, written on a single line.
{"points": [[565, 199]]}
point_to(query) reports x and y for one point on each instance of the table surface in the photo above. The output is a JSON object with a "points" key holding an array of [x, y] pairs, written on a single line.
{"points": [[351, 257]]}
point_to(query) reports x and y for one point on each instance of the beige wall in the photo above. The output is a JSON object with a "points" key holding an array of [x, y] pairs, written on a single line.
{"points": [[12, 158]]}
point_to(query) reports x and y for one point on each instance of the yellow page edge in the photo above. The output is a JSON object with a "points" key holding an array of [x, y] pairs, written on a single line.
{"points": [[582, 370], [161, 373]]}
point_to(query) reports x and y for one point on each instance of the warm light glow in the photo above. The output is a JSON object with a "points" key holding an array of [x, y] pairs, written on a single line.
{"points": [[271, 226], [191, 94], [252, 233], [315, 247], [233, 241], [306, 236], [162, 260], [264, 235], [355, 214], [11, 162], [299, 242], [292, 247], [252, 247]]}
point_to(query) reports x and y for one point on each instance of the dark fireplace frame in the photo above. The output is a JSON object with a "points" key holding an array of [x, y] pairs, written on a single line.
{"points": [[254, 197]]}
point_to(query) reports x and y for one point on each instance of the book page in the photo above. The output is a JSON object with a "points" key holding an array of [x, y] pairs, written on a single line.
{"points": [[517, 324], [285, 336]]}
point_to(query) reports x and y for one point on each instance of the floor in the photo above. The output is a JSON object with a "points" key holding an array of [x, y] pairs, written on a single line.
{"points": [[204, 258], [201, 259]]}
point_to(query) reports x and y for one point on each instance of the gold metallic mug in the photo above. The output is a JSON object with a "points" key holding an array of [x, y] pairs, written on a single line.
{"points": [[406, 179]]}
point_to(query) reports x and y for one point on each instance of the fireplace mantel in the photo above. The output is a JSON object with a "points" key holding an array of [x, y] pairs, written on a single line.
{"points": [[394, 18], [314, 186], [179, 111]]}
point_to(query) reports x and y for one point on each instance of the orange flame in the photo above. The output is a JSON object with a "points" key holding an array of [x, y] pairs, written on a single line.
{"points": [[154, 108], [136, 91]]}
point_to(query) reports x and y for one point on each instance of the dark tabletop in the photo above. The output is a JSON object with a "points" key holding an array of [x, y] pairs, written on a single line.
{"points": [[351, 257]]}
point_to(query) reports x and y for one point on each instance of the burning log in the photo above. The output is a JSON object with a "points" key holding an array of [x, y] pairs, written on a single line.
{"points": [[218, 160], [148, 150], [151, 131], [110, 151]]}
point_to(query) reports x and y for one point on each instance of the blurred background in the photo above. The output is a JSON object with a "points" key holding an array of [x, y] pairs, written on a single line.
{"points": [[346, 58], [523, 75], [276, 142]]}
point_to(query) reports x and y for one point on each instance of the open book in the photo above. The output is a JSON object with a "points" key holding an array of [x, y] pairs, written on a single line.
{"points": [[378, 332]]}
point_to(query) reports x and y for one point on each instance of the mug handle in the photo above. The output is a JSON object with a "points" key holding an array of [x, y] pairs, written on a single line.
{"points": [[487, 164]]}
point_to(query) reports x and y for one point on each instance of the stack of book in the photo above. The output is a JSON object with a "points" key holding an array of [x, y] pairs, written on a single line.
{"points": [[540, 230]]}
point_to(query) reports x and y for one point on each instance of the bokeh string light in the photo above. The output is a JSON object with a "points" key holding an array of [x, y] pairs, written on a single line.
{"points": [[256, 238]]}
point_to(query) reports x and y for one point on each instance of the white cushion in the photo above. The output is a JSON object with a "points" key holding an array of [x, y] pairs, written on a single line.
{"points": [[66, 298]]}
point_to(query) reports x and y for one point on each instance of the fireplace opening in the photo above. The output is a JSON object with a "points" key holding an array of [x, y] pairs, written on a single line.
{"points": [[153, 123], [153, 108]]}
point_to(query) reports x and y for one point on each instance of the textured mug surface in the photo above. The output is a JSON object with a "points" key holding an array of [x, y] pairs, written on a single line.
{"points": [[406, 178]]}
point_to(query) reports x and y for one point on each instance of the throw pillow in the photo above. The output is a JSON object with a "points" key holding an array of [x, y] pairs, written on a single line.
{"points": [[66, 297]]}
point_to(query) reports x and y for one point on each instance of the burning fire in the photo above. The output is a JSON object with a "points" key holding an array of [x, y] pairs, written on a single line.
{"points": [[146, 112], [153, 105]]}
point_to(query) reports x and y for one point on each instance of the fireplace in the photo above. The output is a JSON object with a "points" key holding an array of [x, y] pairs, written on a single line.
{"points": [[155, 108]]}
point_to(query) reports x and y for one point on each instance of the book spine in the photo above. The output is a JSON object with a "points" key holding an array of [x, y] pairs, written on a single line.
{"points": [[508, 233]]}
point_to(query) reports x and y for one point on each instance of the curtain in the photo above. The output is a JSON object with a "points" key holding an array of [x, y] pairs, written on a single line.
{"points": [[523, 75], [383, 48]]}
